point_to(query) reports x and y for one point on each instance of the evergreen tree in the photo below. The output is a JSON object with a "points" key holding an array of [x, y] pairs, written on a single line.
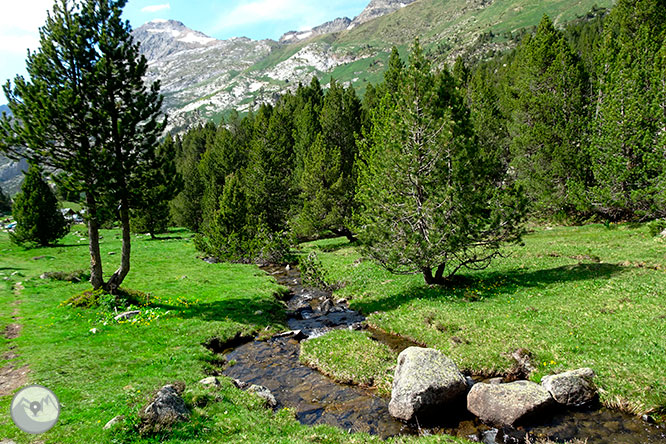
{"points": [[548, 122], [270, 170], [5, 203], [187, 208], [152, 216], [85, 110], [36, 212], [328, 182], [627, 148], [428, 203]]}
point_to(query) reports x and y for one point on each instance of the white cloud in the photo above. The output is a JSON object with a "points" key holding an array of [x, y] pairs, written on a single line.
{"points": [[156, 8], [20, 23], [253, 12]]}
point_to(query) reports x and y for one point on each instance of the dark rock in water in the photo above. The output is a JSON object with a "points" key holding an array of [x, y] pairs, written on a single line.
{"points": [[508, 404], [263, 393], [166, 409], [574, 389], [326, 306], [240, 384], [425, 382], [298, 335]]}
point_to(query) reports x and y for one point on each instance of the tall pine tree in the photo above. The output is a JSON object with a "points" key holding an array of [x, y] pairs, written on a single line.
{"points": [[85, 110], [428, 204], [627, 148], [548, 122]]}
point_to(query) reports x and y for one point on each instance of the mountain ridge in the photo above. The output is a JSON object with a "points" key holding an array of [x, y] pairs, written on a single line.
{"points": [[205, 79]]}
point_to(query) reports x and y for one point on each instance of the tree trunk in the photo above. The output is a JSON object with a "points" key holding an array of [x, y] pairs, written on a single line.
{"points": [[96, 275], [120, 274], [438, 278]]}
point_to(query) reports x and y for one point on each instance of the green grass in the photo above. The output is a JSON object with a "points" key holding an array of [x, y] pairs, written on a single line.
{"points": [[351, 357], [585, 296], [117, 369]]}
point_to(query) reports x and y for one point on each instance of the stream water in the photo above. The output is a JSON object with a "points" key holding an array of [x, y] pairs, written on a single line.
{"points": [[319, 400]]}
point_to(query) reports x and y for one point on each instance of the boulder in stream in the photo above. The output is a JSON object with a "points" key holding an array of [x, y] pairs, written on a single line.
{"points": [[425, 382], [573, 389], [508, 404]]}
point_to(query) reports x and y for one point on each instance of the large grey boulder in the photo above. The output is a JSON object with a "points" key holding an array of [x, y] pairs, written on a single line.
{"points": [[508, 404], [574, 389], [425, 382], [166, 408]]}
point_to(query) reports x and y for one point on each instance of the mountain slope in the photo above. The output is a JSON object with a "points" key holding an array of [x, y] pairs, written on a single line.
{"points": [[204, 78]]}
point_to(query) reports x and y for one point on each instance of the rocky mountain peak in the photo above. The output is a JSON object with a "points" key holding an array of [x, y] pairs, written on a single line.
{"points": [[161, 38]]}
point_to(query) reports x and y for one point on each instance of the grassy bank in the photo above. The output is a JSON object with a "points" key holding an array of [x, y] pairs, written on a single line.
{"points": [[589, 296], [115, 369]]}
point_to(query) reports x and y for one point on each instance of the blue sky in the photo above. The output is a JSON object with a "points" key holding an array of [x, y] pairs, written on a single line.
{"points": [[257, 19]]}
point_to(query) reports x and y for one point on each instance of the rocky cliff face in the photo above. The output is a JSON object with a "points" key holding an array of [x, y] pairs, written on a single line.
{"points": [[378, 8], [337, 25]]}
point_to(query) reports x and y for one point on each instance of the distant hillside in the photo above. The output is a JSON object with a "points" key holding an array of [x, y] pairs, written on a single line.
{"points": [[204, 78]]}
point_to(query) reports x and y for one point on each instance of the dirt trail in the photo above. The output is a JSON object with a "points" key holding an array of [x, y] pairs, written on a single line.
{"points": [[11, 376]]}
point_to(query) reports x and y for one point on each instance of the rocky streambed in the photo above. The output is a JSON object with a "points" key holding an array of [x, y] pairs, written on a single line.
{"points": [[316, 399]]}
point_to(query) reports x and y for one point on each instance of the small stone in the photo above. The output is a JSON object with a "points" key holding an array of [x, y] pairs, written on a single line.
{"points": [[113, 422], [93, 330], [211, 381], [112, 253], [240, 384], [258, 313], [263, 393], [647, 418], [183, 277], [37, 258], [126, 315], [288, 267], [44, 276], [495, 381]]}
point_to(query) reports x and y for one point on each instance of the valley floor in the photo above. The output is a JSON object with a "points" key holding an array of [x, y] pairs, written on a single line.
{"points": [[585, 296]]}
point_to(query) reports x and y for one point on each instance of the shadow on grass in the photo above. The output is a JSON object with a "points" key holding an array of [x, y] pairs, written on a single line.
{"points": [[243, 310], [493, 284]]}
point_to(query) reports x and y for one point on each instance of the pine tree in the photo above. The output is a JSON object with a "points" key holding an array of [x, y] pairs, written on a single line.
{"points": [[85, 110], [270, 170], [629, 121], [36, 212], [428, 203], [328, 181], [5, 203], [548, 122], [152, 215]]}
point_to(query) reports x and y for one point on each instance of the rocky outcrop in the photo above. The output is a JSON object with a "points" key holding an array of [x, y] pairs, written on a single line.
{"points": [[508, 404], [166, 408], [573, 389], [425, 382], [211, 381]]}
